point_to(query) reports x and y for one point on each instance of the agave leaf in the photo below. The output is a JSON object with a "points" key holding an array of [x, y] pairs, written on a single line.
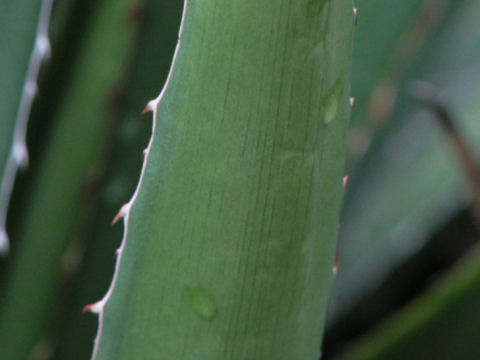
{"points": [[229, 244]]}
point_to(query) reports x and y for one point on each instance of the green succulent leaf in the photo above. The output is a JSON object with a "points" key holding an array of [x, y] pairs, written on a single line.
{"points": [[231, 234]]}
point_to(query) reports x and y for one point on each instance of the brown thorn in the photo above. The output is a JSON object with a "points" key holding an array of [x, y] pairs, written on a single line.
{"points": [[336, 264], [146, 110], [120, 215], [88, 308], [117, 218], [352, 102]]}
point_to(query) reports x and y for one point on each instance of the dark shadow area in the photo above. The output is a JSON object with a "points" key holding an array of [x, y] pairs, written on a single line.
{"points": [[409, 280]]}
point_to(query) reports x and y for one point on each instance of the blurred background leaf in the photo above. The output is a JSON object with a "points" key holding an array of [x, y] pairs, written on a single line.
{"points": [[410, 182], [442, 324], [20, 59], [50, 221], [382, 25], [131, 132]]}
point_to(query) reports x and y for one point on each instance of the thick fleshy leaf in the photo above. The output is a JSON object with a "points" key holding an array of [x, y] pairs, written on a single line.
{"points": [[230, 239]]}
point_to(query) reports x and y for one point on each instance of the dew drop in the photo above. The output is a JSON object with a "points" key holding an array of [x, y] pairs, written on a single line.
{"points": [[330, 102], [315, 7], [330, 111], [202, 303]]}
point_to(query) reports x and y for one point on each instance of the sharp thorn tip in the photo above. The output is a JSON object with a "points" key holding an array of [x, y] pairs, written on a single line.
{"points": [[146, 110], [149, 107], [95, 308], [352, 102], [121, 214]]}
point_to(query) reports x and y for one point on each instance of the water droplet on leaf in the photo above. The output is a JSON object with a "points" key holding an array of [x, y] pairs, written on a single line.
{"points": [[315, 7], [330, 102], [202, 303]]}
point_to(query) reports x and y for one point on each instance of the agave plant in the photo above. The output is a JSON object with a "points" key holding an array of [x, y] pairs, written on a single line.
{"points": [[229, 183]]}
